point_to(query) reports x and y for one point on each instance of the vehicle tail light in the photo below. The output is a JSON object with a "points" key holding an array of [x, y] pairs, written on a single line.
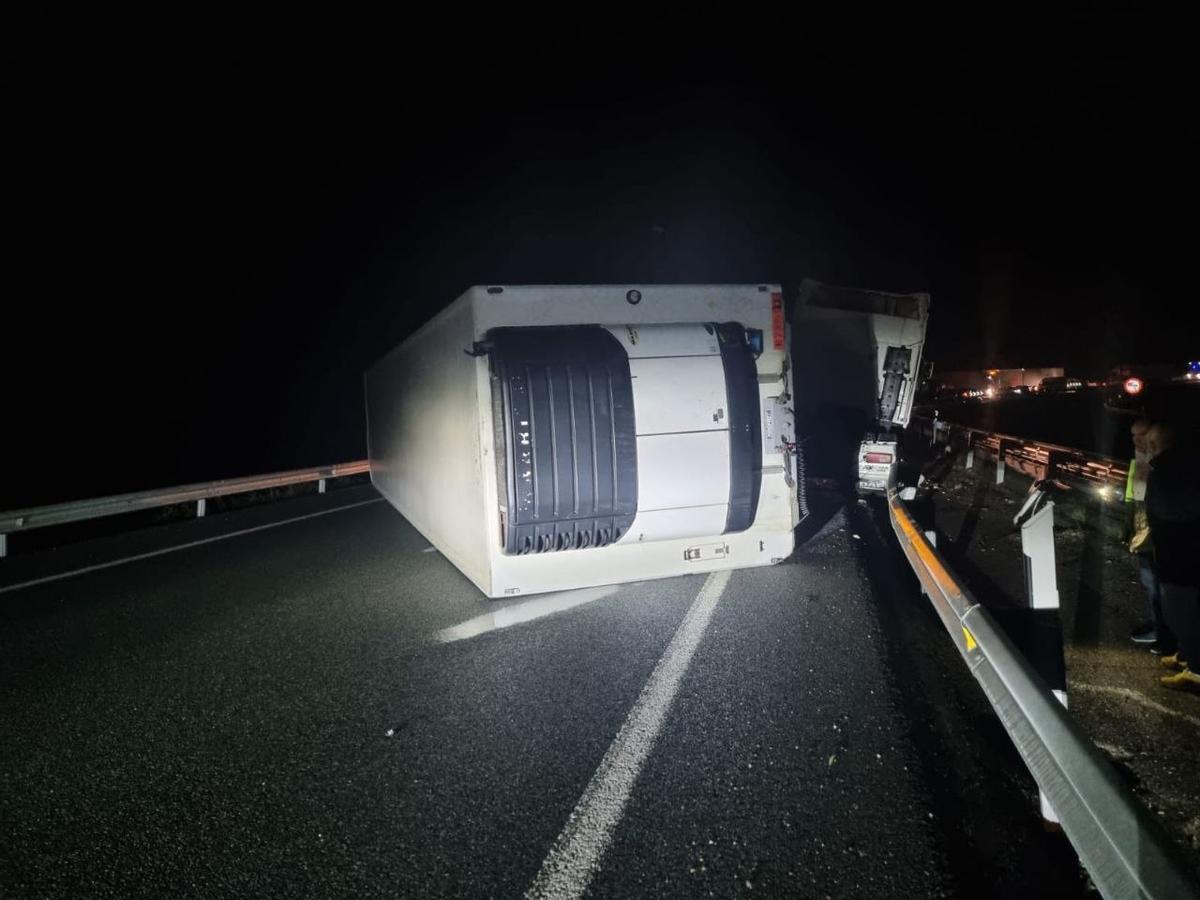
{"points": [[877, 458]]}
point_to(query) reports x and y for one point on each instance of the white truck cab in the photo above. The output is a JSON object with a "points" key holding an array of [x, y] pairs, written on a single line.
{"points": [[857, 354]]}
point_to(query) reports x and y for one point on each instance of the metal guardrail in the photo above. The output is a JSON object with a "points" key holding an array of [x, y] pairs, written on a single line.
{"points": [[1117, 840], [1039, 460], [82, 510]]}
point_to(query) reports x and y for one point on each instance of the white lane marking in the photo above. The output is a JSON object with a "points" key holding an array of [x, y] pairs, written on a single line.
{"points": [[573, 860], [1135, 696], [525, 611], [208, 540], [1120, 754]]}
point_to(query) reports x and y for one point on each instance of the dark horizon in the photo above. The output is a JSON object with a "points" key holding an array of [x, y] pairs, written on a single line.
{"points": [[210, 243]]}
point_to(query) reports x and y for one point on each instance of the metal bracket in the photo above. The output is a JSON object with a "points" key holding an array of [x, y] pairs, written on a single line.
{"points": [[1038, 496], [479, 348]]}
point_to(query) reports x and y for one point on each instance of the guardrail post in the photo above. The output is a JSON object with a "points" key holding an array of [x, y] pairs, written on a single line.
{"points": [[1045, 649], [933, 430], [200, 507], [970, 463], [3, 545], [1000, 462], [320, 485], [1037, 544]]}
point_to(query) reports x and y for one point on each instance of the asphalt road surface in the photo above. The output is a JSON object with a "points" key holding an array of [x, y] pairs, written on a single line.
{"points": [[328, 708]]}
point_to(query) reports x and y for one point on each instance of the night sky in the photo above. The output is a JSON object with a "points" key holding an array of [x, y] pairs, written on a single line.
{"points": [[212, 229]]}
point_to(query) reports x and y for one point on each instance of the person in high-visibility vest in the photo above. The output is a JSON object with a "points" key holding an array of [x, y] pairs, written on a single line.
{"points": [[1154, 631]]}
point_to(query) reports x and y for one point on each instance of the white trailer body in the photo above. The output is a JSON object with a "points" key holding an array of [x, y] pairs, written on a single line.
{"points": [[549, 438]]}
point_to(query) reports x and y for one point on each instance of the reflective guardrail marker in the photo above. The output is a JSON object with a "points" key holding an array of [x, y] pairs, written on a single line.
{"points": [[1036, 519], [969, 638]]}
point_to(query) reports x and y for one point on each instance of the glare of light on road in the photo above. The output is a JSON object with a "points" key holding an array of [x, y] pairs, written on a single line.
{"points": [[523, 611]]}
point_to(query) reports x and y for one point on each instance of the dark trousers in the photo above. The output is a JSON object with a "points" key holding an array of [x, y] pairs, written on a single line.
{"points": [[1148, 575], [1181, 606]]}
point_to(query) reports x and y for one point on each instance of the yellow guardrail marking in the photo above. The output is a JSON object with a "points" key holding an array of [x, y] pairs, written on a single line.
{"points": [[924, 552], [971, 645]]}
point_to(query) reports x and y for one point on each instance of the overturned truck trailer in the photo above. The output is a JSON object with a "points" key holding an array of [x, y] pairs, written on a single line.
{"points": [[546, 438]]}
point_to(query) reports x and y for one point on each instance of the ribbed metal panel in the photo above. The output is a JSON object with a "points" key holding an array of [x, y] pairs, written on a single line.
{"points": [[566, 436]]}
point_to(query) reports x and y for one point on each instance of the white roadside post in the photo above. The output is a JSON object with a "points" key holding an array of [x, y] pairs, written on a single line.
{"points": [[3, 545], [321, 486], [1036, 519], [1000, 461], [970, 463], [201, 504]]}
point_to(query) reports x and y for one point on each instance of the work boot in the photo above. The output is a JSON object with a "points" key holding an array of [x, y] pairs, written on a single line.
{"points": [[1146, 633], [1173, 662], [1187, 680]]}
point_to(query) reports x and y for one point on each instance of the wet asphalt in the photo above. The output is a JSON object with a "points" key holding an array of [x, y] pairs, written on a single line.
{"points": [[275, 715]]}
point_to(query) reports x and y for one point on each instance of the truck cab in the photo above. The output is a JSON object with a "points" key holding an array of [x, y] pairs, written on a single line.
{"points": [[856, 357]]}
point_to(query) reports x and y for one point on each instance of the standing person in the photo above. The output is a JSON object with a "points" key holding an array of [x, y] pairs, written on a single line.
{"points": [[1154, 631], [1173, 509]]}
